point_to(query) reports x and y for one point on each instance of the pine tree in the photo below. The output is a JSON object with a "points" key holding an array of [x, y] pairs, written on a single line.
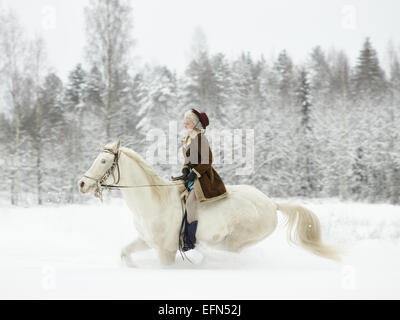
{"points": [[76, 86], [272, 147], [158, 96], [332, 127], [286, 119], [123, 127], [94, 91], [369, 78], [75, 93], [306, 160], [285, 72], [223, 88], [359, 177], [243, 80], [368, 95], [200, 83], [320, 79], [393, 130]]}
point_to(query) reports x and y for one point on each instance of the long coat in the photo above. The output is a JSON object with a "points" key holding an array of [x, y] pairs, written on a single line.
{"points": [[208, 185]]}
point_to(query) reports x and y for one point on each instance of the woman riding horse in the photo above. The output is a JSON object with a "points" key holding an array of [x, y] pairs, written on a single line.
{"points": [[201, 180]]}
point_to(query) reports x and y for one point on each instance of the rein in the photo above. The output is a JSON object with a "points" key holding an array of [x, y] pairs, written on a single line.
{"points": [[144, 185], [100, 181]]}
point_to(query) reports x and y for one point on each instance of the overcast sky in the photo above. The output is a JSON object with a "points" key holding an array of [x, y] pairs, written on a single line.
{"points": [[164, 28]]}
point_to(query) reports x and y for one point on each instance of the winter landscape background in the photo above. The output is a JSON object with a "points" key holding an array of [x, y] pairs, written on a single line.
{"points": [[326, 135]]}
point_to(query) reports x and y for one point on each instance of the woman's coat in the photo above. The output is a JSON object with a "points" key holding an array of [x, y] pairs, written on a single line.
{"points": [[208, 186]]}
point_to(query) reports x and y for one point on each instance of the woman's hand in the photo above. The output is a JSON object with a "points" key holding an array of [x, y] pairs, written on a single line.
{"points": [[191, 176], [188, 180], [185, 172]]}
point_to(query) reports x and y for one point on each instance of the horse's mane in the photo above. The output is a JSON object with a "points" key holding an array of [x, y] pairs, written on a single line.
{"points": [[162, 193]]}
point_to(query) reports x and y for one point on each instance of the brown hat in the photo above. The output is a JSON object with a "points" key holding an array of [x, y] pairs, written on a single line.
{"points": [[202, 117]]}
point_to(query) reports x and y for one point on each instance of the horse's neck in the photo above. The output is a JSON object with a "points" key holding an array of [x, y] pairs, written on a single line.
{"points": [[139, 198]]}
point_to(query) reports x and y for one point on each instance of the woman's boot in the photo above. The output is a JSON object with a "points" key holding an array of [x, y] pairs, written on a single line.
{"points": [[190, 239]]}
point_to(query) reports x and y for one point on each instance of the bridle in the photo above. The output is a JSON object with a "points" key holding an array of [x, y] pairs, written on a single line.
{"points": [[100, 181]]}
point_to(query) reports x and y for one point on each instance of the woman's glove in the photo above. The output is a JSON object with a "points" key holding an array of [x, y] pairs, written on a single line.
{"points": [[191, 176], [189, 180], [187, 185], [185, 172]]}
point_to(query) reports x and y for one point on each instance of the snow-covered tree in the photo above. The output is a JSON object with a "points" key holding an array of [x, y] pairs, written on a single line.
{"points": [[13, 63], [367, 120], [306, 156], [40, 110], [223, 88], [369, 78], [79, 101], [109, 34], [74, 92], [200, 86], [320, 79], [286, 79]]}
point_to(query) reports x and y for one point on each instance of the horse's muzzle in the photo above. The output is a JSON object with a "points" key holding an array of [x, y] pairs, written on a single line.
{"points": [[83, 186]]}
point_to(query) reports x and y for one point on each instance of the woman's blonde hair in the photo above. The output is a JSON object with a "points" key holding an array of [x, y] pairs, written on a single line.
{"points": [[195, 119]]}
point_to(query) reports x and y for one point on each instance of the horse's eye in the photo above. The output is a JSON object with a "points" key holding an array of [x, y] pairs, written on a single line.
{"points": [[103, 161]]}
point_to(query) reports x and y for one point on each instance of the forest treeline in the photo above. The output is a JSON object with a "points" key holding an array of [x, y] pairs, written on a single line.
{"points": [[323, 128]]}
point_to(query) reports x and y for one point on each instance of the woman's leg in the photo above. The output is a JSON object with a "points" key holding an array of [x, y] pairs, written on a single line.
{"points": [[191, 207], [191, 226]]}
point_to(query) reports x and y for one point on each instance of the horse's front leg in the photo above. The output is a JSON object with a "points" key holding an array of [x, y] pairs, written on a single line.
{"points": [[166, 257], [136, 245]]}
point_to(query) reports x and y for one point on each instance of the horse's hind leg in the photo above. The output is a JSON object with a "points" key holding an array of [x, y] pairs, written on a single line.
{"points": [[136, 245], [245, 235]]}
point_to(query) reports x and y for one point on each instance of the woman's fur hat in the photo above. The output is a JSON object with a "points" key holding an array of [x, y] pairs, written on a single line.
{"points": [[196, 116]]}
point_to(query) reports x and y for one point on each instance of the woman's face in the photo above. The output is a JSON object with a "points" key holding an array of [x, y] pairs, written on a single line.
{"points": [[188, 124]]}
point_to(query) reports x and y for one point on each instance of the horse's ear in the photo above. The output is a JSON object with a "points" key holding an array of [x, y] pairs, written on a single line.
{"points": [[117, 145], [102, 146]]}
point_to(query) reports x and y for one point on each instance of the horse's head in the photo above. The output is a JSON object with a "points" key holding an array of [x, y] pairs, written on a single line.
{"points": [[101, 171]]}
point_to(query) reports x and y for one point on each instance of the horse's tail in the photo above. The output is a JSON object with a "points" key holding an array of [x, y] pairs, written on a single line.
{"points": [[308, 231]]}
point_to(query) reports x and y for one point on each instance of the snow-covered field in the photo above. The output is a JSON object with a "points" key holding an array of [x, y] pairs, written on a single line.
{"points": [[73, 251]]}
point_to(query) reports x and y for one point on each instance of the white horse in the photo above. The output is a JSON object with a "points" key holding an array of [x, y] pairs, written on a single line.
{"points": [[245, 217]]}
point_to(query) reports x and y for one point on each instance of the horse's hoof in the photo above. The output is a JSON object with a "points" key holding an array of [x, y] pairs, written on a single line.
{"points": [[122, 256], [127, 261], [195, 256]]}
